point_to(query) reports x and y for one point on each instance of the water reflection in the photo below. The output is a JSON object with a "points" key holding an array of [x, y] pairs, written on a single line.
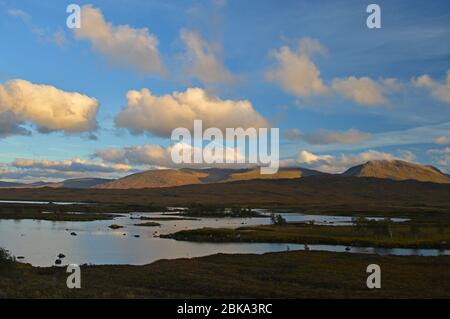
{"points": [[41, 241]]}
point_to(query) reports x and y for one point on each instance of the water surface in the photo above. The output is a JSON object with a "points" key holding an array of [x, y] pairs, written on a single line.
{"points": [[39, 241]]}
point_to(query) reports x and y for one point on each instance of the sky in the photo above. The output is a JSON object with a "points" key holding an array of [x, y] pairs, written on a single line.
{"points": [[102, 100]]}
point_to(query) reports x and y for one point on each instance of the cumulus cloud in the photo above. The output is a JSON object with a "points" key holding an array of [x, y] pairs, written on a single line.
{"points": [[295, 72], [339, 163], [323, 137], [159, 115], [47, 107], [439, 91], [202, 60], [364, 90], [121, 44], [154, 155]]}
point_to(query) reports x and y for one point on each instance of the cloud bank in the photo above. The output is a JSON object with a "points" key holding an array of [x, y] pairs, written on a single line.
{"points": [[323, 137], [336, 164], [159, 115], [153, 155], [45, 106]]}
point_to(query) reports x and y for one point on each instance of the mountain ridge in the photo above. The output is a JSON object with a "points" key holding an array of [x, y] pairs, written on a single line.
{"points": [[163, 178], [398, 170]]}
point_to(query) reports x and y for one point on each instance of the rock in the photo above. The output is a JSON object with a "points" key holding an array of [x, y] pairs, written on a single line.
{"points": [[115, 226], [137, 236], [61, 256], [20, 257], [124, 234], [347, 248], [73, 234], [58, 262]]}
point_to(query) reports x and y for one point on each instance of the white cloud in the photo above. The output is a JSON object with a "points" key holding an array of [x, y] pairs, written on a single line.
{"points": [[364, 90], [122, 44], [440, 156], [153, 155], [305, 157], [49, 108], [33, 170], [295, 72], [74, 165], [442, 140], [439, 91], [159, 115], [340, 163], [202, 60]]}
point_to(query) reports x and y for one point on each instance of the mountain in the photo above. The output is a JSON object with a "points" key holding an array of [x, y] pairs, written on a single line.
{"points": [[172, 177], [398, 170], [70, 183], [156, 178], [77, 183], [9, 184], [319, 194], [385, 169]]}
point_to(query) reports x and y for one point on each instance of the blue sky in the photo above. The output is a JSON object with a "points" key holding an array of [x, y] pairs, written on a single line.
{"points": [[407, 117]]}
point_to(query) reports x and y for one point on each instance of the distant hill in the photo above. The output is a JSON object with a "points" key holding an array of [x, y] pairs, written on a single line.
{"points": [[9, 185], [385, 169], [318, 194], [398, 170], [172, 177], [156, 178], [70, 183], [78, 183]]}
